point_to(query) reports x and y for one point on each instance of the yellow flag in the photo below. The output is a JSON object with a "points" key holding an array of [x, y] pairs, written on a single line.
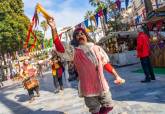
{"points": [[87, 30], [39, 8]]}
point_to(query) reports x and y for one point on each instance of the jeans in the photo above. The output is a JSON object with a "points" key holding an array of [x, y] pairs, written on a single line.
{"points": [[60, 81], [147, 68], [55, 81]]}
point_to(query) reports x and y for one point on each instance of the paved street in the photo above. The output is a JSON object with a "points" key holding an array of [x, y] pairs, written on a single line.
{"points": [[131, 98]]}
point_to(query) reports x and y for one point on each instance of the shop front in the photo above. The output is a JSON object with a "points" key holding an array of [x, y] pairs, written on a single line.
{"points": [[121, 47]]}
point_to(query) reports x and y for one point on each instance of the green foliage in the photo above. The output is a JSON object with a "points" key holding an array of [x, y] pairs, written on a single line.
{"points": [[44, 25], [13, 24], [93, 2]]}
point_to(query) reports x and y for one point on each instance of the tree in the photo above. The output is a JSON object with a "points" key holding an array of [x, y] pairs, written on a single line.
{"points": [[94, 2], [13, 23], [44, 26]]}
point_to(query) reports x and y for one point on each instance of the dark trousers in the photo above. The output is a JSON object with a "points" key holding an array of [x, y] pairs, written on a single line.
{"points": [[147, 68], [31, 91], [55, 81], [60, 81]]}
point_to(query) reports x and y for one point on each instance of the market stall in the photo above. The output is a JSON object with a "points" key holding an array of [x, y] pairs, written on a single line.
{"points": [[156, 24], [121, 47]]}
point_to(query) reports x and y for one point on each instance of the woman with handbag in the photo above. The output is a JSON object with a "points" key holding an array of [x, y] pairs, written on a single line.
{"points": [[30, 82]]}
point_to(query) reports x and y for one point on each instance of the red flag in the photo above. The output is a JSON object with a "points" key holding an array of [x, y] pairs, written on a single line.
{"points": [[100, 13], [159, 24], [149, 25]]}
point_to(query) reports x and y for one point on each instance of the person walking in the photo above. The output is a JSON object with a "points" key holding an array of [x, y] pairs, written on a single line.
{"points": [[54, 65], [89, 60], [143, 52], [60, 71], [40, 68], [66, 73], [30, 82]]}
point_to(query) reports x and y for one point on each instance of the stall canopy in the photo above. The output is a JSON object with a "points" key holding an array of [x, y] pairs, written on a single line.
{"points": [[122, 34]]}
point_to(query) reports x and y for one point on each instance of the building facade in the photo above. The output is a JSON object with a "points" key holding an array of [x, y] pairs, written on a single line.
{"points": [[138, 8]]}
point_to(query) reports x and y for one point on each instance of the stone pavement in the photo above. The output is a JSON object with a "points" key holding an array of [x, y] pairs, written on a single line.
{"points": [[131, 98]]}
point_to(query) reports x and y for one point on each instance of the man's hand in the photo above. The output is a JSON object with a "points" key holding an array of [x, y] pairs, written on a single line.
{"points": [[51, 23], [119, 81]]}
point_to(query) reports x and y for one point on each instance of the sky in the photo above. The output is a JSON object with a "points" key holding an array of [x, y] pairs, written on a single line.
{"points": [[65, 12]]}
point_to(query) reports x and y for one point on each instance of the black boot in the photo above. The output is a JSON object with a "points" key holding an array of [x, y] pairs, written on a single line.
{"points": [[145, 81]]}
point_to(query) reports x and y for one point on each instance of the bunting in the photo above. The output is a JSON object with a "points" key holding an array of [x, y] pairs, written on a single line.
{"points": [[92, 18], [100, 13], [118, 3], [42, 45], [149, 25], [86, 23], [105, 14], [126, 3], [137, 20], [97, 19], [159, 25]]}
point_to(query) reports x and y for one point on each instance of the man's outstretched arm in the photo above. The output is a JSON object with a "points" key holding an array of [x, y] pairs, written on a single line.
{"points": [[56, 40], [108, 67]]}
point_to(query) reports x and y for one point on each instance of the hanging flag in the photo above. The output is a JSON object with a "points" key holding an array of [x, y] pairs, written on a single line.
{"points": [[51, 42], [159, 25], [149, 25], [126, 3], [86, 23], [39, 9], [97, 19], [118, 3], [100, 13], [137, 20], [42, 45], [105, 14], [92, 18]]}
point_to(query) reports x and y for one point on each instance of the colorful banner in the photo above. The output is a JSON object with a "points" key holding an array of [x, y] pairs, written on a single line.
{"points": [[137, 20], [126, 3], [39, 9], [159, 25], [105, 15], [118, 3], [97, 19], [86, 23], [149, 25], [92, 18], [100, 13]]}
